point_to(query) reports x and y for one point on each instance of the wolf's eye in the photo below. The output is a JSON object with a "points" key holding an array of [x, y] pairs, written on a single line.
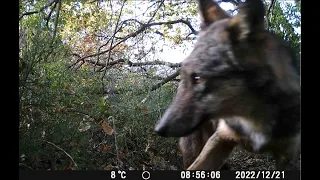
{"points": [[197, 79]]}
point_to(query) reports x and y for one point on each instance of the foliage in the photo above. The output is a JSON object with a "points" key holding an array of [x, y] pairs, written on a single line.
{"points": [[284, 21]]}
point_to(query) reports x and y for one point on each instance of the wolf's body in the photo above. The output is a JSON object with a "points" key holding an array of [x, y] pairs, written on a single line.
{"points": [[238, 87]]}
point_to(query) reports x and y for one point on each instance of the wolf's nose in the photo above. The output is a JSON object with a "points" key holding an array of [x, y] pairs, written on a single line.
{"points": [[161, 130]]}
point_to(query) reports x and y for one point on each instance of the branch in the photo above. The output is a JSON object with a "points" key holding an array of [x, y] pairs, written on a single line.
{"points": [[56, 21], [124, 22], [154, 63], [41, 9], [141, 29], [99, 63], [155, 12], [22, 164], [63, 151], [179, 3], [114, 34], [116, 142], [169, 78], [117, 30], [268, 12], [150, 76], [149, 7], [132, 64], [49, 16], [175, 22]]}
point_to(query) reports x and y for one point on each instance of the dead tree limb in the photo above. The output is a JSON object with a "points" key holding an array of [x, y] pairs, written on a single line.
{"points": [[169, 78], [133, 64]]}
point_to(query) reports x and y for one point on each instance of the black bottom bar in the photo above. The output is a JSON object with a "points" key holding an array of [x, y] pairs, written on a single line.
{"points": [[157, 175]]}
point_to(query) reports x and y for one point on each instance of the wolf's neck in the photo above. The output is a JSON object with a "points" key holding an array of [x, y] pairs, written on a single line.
{"points": [[287, 122]]}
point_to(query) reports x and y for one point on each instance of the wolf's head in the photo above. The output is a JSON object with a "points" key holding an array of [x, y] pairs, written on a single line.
{"points": [[233, 69]]}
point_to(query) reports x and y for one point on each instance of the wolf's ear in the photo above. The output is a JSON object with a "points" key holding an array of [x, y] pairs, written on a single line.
{"points": [[210, 11], [248, 21]]}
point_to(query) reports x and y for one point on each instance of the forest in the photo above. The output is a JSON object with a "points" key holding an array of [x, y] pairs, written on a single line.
{"points": [[96, 75]]}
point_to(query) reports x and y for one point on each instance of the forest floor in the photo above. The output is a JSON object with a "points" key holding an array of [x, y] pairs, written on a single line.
{"points": [[243, 160], [155, 154]]}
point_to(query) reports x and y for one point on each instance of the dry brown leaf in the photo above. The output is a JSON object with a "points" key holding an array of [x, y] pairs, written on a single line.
{"points": [[109, 167], [107, 128], [106, 148], [68, 86], [69, 167], [72, 144], [143, 108]]}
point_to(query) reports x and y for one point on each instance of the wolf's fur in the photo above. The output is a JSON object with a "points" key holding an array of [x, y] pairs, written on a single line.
{"points": [[238, 86]]}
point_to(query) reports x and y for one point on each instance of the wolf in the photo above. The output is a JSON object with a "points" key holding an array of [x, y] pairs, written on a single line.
{"points": [[239, 87]]}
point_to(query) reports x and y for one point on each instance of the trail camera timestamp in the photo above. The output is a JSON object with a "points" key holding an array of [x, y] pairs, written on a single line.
{"points": [[259, 174], [200, 174]]}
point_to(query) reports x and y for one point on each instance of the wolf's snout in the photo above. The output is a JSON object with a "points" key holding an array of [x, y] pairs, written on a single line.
{"points": [[161, 130], [163, 124]]}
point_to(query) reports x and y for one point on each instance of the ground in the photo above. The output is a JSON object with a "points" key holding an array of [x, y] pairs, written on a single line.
{"points": [[244, 160], [157, 157], [241, 159]]}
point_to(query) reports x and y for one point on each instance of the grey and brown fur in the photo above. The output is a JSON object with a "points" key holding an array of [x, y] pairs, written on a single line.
{"points": [[238, 87]]}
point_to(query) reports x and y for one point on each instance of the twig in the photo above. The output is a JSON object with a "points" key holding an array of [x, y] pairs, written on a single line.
{"points": [[155, 12], [112, 39], [132, 64], [49, 16], [141, 29], [268, 12], [115, 140], [103, 142], [62, 151], [22, 164], [143, 14], [169, 78], [56, 21], [34, 12]]}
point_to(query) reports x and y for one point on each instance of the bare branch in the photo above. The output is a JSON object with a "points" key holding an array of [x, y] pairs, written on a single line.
{"points": [[150, 7], [117, 30], [132, 64], [179, 3], [155, 12], [141, 29], [124, 22], [62, 151], [115, 141], [41, 9], [169, 78], [22, 164], [159, 77], [174, 22], [172, 65], [99, 63], [112, 38]]}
